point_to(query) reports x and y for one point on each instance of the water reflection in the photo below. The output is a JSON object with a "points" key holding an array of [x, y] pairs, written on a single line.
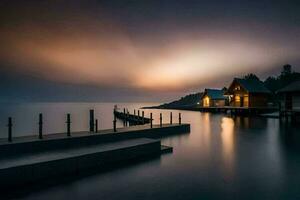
{"points": [[227, 137], [289, 136], [250, 122], [222, 158], [206, 131]]}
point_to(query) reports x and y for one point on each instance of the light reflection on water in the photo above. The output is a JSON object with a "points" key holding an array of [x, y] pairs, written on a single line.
{"points": [[222, 157], [227, 136]]}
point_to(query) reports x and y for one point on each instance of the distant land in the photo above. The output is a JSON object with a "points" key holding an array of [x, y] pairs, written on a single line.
{"points": [[273, 83], [183, 102]]}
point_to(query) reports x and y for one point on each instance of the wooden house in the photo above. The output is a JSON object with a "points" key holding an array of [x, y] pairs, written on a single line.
{"points": [[291, 97], [213, 98], [248, 93]]}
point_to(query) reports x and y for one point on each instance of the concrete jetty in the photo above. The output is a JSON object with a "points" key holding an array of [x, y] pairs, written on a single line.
{"points": [[29, 159], [34, 167]]}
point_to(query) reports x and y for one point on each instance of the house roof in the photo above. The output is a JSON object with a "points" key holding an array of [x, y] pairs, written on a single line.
{"points": [[293, 87], [252, 86], [214, 94]]}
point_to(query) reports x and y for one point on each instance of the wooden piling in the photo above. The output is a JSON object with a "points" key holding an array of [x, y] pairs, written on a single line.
{"points": [[151, 120], [96, 126], [68, 124], [115, 123], [160, 120], [143, 117], [179, 118], [171, 120], [40, 126], [92, 120], [10, 129], [127, 118]]}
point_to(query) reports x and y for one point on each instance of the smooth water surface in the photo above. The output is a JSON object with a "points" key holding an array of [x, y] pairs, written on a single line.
{"points": [[222, 158]]}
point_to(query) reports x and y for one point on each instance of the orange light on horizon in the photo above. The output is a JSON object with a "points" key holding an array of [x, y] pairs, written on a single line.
{"points": [[86, 54]]}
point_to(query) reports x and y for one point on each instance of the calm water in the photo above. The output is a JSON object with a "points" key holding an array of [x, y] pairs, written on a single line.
{"points": [[222, 157]]}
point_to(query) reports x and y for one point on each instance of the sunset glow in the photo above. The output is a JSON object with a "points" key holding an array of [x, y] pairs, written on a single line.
{"points": [[95, 48]]}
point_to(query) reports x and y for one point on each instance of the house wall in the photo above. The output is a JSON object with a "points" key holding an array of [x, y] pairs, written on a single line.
{"points": [[242, 98], [218, 103], [208, 102], [238, 95], [258, 100]]}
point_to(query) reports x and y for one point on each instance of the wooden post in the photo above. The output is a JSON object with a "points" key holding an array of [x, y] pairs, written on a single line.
{"points": [[125, 117], [115, 124], [96, 125], [171, 120], [179, 118], [40, 126], [68, 124], [160, 120], [143, 117], [127, 122], [134, 112], [151, 119], [92, 120], [10, 129]]}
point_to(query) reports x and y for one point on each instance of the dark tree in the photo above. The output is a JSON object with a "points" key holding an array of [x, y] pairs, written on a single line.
{"points": [[272, 83], [224, 89], [286, 70], [286, 77], [251, 77]]}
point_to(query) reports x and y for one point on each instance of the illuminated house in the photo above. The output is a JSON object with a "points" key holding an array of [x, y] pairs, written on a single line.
{"points": [[213, 98], [291, 94], [247, 93]]}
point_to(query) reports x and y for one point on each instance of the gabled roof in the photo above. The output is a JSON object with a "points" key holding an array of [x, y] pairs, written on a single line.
{"points": [[251, 86], [214, 94], [293, 87]]}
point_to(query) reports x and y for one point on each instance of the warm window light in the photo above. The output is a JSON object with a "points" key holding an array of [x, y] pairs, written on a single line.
{"points": [[237, 88], [206, 101]]}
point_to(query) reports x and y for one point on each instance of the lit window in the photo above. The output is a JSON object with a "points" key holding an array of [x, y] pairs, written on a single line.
{"points": [[237, 88], [206, 101]]}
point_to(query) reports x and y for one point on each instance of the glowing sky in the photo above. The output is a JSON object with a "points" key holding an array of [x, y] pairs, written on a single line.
{"points": [[155, 46]]}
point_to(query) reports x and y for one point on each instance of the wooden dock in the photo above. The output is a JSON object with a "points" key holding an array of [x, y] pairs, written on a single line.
{"points": [[30, 159], [247, 111], [133, 119], [239, 110]]}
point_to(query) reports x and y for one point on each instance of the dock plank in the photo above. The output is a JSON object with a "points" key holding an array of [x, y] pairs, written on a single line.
{"points": [[29, 159], [36, 158], [31, 168]]}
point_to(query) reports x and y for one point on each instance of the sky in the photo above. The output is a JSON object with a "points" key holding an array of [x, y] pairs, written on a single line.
{"points": [[126, 50]]}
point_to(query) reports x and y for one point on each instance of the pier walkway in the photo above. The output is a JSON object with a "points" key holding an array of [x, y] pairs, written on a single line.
{"points": [[130, 131], [29, 159], [132, 119], [20, 170]]}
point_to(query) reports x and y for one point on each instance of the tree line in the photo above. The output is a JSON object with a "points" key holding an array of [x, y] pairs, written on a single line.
{"points": [[274, 83]]}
